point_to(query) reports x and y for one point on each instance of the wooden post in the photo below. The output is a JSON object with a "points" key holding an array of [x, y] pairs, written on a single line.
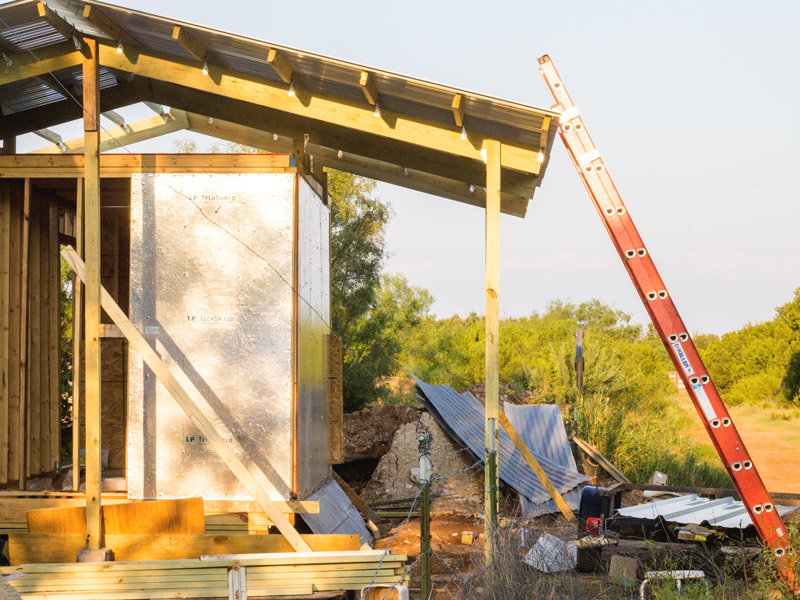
{"points": [[77, 333], [492, 378], [23, 337], [9, 146], [5, 319], [91, 121]]}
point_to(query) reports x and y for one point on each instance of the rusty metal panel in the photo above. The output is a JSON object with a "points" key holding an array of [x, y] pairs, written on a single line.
{"points": [[313, 311], [221, 318]]}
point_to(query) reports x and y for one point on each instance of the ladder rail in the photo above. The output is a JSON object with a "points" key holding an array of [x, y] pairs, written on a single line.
{"points": [[665, 317]]}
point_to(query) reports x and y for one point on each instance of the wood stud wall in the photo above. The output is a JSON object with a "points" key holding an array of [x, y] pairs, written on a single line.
{"points": [[39, 392]]}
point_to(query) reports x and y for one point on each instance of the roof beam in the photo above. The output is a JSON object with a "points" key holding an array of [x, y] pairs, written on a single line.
{"points": [[47, 60], [458, 109], [290, 126], [189, 43], [369, 88], [358, 165], [140, 131], [107, 25], [279, 65], [321, 108], [49, 115], [61, 25]]}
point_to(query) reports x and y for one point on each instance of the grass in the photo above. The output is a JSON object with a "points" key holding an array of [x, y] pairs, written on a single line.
{"points": [[647, 437], [740, 574]]}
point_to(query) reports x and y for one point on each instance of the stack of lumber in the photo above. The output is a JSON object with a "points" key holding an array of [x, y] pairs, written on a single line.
{"points": [[290, 573]]}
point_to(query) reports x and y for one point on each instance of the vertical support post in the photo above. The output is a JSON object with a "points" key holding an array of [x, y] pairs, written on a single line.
{"points": [[23, 337], [77, 335], [492, 403], [91, 122], [424, 439]]}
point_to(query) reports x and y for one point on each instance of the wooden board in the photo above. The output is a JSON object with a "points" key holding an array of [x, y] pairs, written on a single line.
{"points": [[5, 286], [124, 165], [189, 406], [15, 343], [183, 516], [27, 548], [601, 460], [336, 399]]}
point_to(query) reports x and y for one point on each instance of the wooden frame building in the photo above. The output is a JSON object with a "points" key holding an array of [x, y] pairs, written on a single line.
{"points": [[74, 59]]}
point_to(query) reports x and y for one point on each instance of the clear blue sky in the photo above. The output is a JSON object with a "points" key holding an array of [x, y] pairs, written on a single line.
{"points": [[694, 106]]}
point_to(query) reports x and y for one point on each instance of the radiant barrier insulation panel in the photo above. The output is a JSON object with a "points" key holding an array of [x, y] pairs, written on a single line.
{"points": [[214, 259]]}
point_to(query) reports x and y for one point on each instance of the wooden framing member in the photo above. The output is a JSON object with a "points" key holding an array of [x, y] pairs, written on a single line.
{"points": [[329, 110], [458, 109], [50, 59], [492, 377], [77, 342], [15, 420], [9, 145], [45, 264], [140, 131], [367, 83], [535, 466], [61, 25], [54, 340], [189, 43], [91, 157], [279, 65], [22, 453], [105, 24], [5, 328], [196, 416]]}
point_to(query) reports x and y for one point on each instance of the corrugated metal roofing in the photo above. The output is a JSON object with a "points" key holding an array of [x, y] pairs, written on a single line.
{"points": [[542, 429], [462, 416], [336, 513], [720, 512], [22, 29]]}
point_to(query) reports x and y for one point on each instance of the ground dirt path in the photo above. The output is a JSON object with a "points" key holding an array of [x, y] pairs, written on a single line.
{"points": [[773, 443]]}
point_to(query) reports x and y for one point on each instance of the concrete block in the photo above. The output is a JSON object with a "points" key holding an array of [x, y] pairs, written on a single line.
{"points": [[624, 568], [99, 555]]}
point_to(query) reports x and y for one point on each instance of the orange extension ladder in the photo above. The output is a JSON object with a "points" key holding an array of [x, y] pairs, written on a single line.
{"points": [[666, 319]]}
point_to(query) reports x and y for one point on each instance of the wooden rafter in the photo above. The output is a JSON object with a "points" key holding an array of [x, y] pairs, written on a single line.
{"points": [[458, 109], [47, 60], [349, 141], [358, 165], [329, 110], [189, 43], [279, 65], [61, 25], [107, 25], [146, 129], [367, 83], [50, 115]]}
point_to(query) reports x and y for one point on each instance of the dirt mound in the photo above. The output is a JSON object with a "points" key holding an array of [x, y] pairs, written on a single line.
{"points": [[368, 433], [462, 491]]}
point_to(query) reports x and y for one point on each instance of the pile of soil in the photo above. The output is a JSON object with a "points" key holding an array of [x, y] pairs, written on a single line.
{"points": [[456, 478], [368, 433]]}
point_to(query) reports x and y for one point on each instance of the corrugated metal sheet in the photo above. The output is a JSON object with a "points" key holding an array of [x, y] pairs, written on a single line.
{"points": [[721, 512], [462, 416], [24, 30], [336, 513], [542, 429]]}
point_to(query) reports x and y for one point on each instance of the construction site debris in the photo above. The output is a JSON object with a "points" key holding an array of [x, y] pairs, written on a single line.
{"points": [[550, 554], [459, 488], [368, 433], [462, 416]]}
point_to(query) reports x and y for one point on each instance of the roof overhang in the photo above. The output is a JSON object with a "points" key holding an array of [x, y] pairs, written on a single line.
{"points": [[335, 114]]}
